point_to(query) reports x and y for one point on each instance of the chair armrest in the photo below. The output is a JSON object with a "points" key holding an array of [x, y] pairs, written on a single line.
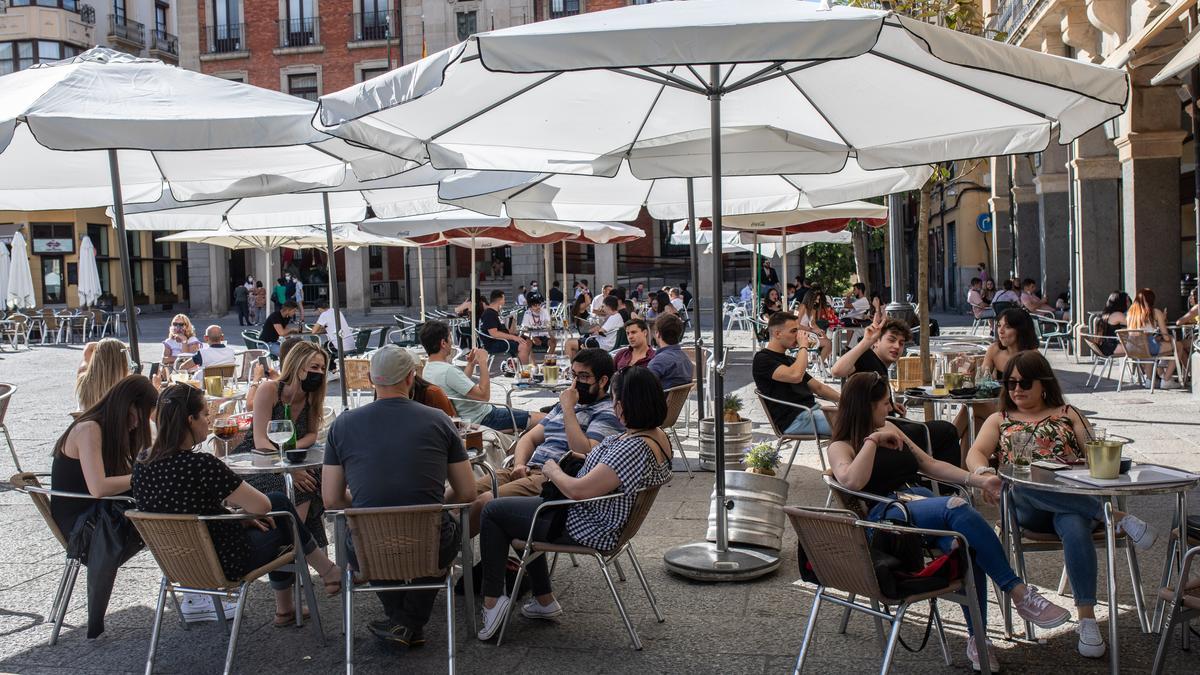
{"points": [[867, 496], [559, 503], [72, 495], [959, 538]]}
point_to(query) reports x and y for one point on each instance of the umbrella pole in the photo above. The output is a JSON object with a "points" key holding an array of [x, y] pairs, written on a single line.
{"points": [[783, 253], [703, 560], [564, 260], [421, 279], [757, 276], [474, 318], [114, 173], [333, 297], [699, 341]]}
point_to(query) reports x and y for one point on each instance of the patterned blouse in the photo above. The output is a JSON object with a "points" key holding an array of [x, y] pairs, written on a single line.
{"points": [[599, 524], [1054, 437]]}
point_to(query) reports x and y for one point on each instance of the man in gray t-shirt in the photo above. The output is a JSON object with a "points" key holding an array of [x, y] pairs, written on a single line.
{"points": [[397, 452]]}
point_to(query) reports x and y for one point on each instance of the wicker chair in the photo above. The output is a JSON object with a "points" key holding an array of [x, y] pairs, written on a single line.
{"points": [[30, 485], [1169, 564], [836, 544], [246, 361], [184, 551], [530, 550], [1184, 605], [1137, 355], [785, 437], [677, 398], [15, 329], [395, 543], [6, 392], [1102, 364]]}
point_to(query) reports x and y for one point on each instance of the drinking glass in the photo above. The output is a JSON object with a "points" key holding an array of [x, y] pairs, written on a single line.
{"points": [[225, 429], [228, 387], [1022, 451], [280, 432]]}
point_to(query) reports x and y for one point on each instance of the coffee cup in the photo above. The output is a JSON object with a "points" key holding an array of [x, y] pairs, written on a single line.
{"points": [[297, 455]]}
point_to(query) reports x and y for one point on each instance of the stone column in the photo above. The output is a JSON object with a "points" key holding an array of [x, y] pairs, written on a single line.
{"points": [[606, 265], [220, 285], [1027, 220], [358, 283], [1054, 223], [1000, 266], [1098, 222], [1150, 196], [200, 292]]}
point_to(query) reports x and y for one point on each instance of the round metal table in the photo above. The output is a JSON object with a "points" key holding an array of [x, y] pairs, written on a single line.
{"points": [[967, 403], [1052, 481], [254, 464], [526, 386]]}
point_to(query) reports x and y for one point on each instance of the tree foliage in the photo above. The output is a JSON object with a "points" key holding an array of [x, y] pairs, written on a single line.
{"points": [[830, 265]]}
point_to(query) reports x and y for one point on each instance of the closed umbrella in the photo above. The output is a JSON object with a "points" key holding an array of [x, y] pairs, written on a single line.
{"points": [[105, 127], [20, 279], [4, 266], [89, 276], [713, 88]]}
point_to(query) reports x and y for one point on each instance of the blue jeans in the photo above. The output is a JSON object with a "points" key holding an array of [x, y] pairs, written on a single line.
{"points": [[264, 546], [273, 348], [989, 559], [803, 424], [500, 420], [1073, 518]]}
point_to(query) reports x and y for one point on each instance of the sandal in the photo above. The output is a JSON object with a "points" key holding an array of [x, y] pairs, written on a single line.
{"points": [[334, 586], [286, 619]]}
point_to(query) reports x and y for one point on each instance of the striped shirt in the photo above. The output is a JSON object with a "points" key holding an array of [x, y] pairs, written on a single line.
{"points": [[599, 524], [597, 421]]}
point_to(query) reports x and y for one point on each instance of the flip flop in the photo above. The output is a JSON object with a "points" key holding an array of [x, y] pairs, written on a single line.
{"points": [[287, 619]]}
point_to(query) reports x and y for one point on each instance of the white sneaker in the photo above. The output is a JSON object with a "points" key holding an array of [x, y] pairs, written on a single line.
{"points": [[1170, 384], [1091, 640], [536, 610], [493, 618], [973, 656], [197, 607], [1138, 530]]}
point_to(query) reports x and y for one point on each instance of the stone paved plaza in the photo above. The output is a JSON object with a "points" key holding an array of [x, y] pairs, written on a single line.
{"points": [[752, 627]]}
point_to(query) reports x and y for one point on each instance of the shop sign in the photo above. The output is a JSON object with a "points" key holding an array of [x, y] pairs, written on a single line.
{"points": [[53, 246]]}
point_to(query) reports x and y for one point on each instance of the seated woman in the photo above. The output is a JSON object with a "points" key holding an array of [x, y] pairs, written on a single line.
{"points": [[104, 364], [1031, 401], [431, 395], [536, 324], [301, 389], [181, 340], [1143, 315], [627, 462], [813, 318], [94, 456], [1112, 319], [170, 477], [1015, 333], [771, 304], [869, 454], [1189, 318]]}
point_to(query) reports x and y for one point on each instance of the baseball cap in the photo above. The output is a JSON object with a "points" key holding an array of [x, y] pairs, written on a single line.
{"points": [[391, 364]]}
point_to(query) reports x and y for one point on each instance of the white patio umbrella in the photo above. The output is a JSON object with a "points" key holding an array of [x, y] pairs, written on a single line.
{"points": [[4, 266], [89, 275], [771, 245], [105, 127], [20, 279], [721, 88]]}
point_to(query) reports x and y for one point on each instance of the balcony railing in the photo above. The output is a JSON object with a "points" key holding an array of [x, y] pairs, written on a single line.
{"points": [[126, 30], [375, 25], [226, 38], [300, 32], [69, 5], [1011, 14], [164, 42], [561, 8]]}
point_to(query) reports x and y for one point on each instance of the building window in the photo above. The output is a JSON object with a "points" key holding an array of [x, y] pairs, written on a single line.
{"points": [[372, 23], [72, 5], [466, 25], [232, 77], [561, 8], [226, 32], [99, 236], [303, 85], [301, 26], [368, 73], [21, 54], [119, 11], [160, 16]]}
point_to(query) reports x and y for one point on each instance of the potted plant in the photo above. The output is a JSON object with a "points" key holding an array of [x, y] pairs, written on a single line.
{"points": [[761, 459], [732, 406]]}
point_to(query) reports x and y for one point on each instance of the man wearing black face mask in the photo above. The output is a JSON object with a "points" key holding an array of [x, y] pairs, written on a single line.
{"points": [[583, 417]]}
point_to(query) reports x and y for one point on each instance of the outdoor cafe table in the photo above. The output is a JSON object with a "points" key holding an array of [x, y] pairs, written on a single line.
{"points": [[527, 386], [255, 464], [938, 402], [1052, 481]]}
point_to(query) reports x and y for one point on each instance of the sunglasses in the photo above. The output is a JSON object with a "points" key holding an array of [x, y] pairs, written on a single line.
{"points": [[1024, 384], [179, 325]]}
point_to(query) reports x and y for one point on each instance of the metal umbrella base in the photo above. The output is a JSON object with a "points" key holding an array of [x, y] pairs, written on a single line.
{"points": [[703, 561]]}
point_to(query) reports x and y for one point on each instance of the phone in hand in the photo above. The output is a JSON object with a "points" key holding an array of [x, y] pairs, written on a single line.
{"points": [[265, 363], [154, 370]]}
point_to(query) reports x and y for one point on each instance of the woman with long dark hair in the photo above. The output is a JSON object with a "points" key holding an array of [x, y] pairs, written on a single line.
{"points": [[1111, 320], [1015, 333], [171, 477], [1032, 402], [869, 454]]}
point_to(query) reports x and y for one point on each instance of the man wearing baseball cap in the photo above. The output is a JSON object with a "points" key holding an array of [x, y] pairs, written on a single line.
{"points": [[397, 452]]}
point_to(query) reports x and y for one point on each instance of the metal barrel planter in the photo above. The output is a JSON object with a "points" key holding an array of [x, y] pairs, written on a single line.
{"points": [[737, 439], [757, 517]]}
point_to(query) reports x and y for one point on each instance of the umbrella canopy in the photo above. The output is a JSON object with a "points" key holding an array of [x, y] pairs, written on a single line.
{"points": [[803, 89], [464, 224], [833, 218], [20, 279], [4, 265], [345, 235], [89, 275], [567, 197]]}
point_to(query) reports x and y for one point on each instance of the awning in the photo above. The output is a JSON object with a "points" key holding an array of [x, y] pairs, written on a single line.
{"points": [[1125, 52], [1186, 58]]}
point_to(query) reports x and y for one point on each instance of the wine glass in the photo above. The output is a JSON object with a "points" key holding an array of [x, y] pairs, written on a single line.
{"points": [[225, 429], [280, 432]]}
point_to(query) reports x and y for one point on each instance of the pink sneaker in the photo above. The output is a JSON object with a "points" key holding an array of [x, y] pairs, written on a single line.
{"points": [[1039, 610]]}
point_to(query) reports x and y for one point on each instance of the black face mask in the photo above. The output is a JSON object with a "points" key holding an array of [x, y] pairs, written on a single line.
{"points": [[586, 395], [312, 382]]}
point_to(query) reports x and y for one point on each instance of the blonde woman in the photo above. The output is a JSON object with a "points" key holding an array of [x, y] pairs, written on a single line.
{"points": [[1144, 316], [300, 387], [181, 340], [104, 364]]}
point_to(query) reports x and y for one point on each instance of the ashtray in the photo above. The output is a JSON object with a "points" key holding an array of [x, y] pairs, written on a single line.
{"points": [[964, 392]]}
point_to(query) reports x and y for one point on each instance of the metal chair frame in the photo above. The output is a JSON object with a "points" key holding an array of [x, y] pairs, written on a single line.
{"points": [[671, 420], [6, 392], [1180, 613], [1132, 362], [1102, 365], [792, 438]]}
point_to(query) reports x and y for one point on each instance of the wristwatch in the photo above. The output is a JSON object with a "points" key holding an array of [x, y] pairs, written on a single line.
{"points": [[984, 470]]}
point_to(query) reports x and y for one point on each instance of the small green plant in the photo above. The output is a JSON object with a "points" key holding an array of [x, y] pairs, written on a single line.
{"points": [[762, 458], [732, 405]]}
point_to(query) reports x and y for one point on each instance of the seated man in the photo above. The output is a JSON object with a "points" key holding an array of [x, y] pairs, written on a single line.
{"points": [[603, 336], [214, 351], [676, 297], [583, 417], [638, 352], [536, 325], [1033, 302], [670, 364], [278, 325], [786, 378], [495, 339], [882, 345], [860, 306], [363, 450], [327, 324], [435, 338], [979, 307]]}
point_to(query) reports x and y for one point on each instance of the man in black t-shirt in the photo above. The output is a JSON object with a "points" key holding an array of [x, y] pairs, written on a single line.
{"points": [[556, 295], [882, 345], [786, 378], [495, 339], [277, 325]]}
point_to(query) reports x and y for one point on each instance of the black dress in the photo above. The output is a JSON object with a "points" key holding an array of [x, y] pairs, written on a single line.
{"points": [[66, 475]]}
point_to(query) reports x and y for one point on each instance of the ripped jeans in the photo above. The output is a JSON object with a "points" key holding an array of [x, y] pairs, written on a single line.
{"points": [[956, 515]]}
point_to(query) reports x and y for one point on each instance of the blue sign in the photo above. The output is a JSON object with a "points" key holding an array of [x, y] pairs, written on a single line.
{"points": [[984, 222]]}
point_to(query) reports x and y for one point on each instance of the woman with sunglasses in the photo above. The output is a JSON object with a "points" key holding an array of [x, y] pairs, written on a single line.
{"points": [[869, 454], [181, 340], [1031, 401]]}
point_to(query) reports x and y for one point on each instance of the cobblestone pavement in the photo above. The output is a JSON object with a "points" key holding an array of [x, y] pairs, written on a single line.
{"points": [[752, 627]]}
